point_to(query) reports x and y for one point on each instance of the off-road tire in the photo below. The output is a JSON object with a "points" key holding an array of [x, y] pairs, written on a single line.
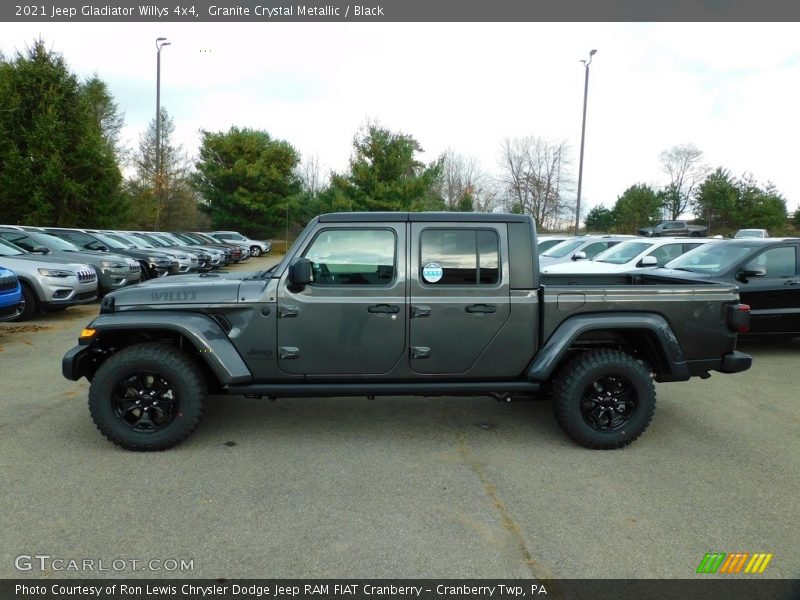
{"points": [[151, 357], [573, 382], [29, 301]]}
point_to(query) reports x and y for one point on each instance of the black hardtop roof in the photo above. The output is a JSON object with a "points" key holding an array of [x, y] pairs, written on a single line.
{"points": [[458, 217]]}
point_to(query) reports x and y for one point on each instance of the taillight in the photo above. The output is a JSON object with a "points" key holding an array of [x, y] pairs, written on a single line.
{"points": [[739, 318]]}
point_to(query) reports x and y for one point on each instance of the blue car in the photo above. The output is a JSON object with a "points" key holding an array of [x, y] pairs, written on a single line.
{"points": [[10, 295]]}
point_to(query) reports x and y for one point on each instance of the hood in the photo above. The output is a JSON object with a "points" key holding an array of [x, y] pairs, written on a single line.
{"points": [[182, 289], [587, 266]]}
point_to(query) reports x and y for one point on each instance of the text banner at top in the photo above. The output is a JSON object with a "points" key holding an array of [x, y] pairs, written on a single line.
{"points": [[402, 11]]}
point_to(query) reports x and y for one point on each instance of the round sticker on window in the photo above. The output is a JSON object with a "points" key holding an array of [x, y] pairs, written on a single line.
{"points": [[432, 272]]}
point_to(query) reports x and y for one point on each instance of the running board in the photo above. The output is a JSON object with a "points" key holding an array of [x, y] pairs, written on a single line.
{"points": [[321, 390]]}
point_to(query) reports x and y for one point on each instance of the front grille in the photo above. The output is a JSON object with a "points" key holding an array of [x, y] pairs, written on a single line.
{"points": [[134, 267], [86, 276], [8, 283]]}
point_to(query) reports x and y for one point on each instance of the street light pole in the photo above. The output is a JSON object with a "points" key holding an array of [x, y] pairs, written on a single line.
{"points": [[586, 64], [160, 43]]}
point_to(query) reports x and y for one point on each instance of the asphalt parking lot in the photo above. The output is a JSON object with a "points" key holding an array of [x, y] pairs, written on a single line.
{"points": [[397, 487]]}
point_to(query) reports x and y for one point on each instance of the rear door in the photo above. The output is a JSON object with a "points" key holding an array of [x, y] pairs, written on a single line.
{"points": [[774, 299], [459, 293]]}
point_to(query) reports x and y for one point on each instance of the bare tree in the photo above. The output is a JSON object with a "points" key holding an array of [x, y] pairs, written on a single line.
{"points": [[686, 170], [309, 172], [465, 186], [536, 176]]}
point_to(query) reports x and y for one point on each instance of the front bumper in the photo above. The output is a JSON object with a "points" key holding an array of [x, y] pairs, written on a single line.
{"points": [[78, 362]]}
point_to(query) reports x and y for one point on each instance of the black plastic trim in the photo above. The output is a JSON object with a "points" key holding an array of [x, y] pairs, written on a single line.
{"points": [[430, 388]]}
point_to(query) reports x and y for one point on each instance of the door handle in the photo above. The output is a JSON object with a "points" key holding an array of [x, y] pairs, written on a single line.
{"points": [[420, 311], [287, 312], [791, 282], [481, 308], [386, 309], [420, 352]]}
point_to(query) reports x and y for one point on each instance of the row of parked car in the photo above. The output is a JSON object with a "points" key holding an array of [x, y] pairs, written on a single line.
{"points": [[52, 268], [766, 270]]}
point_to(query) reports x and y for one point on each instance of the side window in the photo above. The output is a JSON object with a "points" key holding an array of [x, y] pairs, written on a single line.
{"points": [[353, 257], [459, 257], [687, 247], [779, 262], [666, 253], [593, 250], [23, 241], [673, 226]]}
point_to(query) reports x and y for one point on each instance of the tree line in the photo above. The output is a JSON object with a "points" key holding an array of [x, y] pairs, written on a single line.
{"points": [[716, 198], [62, 164]]}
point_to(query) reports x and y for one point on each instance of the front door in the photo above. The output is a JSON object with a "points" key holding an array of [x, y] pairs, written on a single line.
{"points": [[352, 318], [774, 299], [460, 295]]}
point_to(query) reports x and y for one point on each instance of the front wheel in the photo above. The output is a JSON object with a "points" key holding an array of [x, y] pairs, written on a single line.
{"points": [[27, 304], [255, 251], [604, 399], [148, 396]]}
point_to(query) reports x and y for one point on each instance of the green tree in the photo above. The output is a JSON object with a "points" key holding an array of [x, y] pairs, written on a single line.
{"points": [[56, 165], [247, 180], [717, 201], [600, 218], [161, 190], [762, 208], [385, 175], [639, 206]]}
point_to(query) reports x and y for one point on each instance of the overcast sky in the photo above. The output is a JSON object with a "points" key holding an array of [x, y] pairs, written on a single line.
{"points": [[731, 89]]}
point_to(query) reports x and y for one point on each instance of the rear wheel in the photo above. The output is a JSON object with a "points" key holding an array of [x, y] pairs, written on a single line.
{"points": [[148, 396], [27, 304], [694, 234], [604, 399]]}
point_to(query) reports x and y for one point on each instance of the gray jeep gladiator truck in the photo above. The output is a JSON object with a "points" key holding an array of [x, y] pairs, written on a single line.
{"points": [[384, 304]]}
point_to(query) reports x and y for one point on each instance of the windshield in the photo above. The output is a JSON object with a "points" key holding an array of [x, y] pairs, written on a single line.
{"points": [[55, 243], [132, 239], [749, 233], [166, 239], [7, 249], [715, 257], [141, 240], [564, 248], [187, 238], [157, 243], [622, 253], [126, 243], [111, 242]]}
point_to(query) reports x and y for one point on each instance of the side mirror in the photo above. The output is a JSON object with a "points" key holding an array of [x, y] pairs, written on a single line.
{"points": [[751, 270], [648, 261], [96, 246], [580, 255], [300, 272], [40, 250]]}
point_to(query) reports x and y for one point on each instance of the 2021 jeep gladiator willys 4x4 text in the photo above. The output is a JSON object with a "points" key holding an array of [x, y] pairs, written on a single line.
{"points": [[427, 304]]}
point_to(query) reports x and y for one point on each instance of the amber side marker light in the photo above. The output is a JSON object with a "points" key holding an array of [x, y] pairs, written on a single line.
{"points": [[87, 333]]}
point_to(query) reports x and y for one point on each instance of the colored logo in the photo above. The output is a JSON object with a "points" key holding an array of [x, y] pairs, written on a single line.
{"points": [[737, 562], [432, 272]]}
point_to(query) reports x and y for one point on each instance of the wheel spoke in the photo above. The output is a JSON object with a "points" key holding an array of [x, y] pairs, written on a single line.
{"points": [[144, 401], [602, 400]]}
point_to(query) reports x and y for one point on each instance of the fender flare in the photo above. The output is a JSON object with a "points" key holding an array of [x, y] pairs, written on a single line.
{"points": [[214, 346], [558, 344]]}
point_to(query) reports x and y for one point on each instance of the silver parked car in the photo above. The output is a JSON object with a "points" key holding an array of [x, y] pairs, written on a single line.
{"points": [[113, 271], [580, 248], [48, 283]]}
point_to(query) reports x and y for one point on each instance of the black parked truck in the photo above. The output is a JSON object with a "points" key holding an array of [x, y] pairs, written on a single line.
{"points": [[386, 304]]}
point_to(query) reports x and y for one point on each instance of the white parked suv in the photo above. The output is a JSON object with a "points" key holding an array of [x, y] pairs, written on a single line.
{"points": [[631, 255], [257, 247]]}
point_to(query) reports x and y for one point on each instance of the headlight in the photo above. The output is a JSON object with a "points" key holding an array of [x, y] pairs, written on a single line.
{"points": [[56, 273], [109, 264], [154, 259]]}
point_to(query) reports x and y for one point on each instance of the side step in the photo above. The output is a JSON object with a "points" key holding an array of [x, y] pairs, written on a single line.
{"points": [[321, 390]]}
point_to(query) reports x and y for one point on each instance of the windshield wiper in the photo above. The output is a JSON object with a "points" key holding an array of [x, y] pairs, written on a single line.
{"points": [[684, 269]]}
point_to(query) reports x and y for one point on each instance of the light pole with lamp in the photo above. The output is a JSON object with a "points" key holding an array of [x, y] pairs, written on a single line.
{"points": [[160, 43], [586, 64]]}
